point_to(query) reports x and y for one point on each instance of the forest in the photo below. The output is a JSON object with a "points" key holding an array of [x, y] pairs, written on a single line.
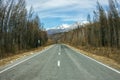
{"points": [[20, 29], [102, 33]]}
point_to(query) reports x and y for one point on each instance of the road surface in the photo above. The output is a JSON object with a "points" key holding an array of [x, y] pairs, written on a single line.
{"points": [[59, 62]]}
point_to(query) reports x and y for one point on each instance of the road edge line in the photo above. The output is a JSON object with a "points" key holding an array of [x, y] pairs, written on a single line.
{"points": [[25, 60], [95, 60]]}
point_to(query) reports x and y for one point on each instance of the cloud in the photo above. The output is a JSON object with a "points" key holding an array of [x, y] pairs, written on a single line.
{"points": [[65, 10], [42, 5]]}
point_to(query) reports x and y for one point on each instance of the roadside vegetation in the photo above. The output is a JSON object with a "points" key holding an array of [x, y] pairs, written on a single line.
{"points": [[101, 35], [19, 29]]}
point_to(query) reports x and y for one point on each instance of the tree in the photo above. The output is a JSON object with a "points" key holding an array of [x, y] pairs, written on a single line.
{"points": [[18, 29], [114, 21]]}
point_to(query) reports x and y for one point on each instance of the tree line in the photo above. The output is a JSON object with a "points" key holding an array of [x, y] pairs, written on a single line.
{"points": [[103, 29], [19, 29]]}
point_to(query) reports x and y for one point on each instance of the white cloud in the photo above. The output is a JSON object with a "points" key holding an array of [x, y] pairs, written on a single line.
{"points": [[59, 8], [62, 5], [53, 4], [74, 18]]}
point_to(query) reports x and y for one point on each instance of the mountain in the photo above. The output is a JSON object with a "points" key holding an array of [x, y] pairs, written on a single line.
{"points": [[65, 27], [61, 28], [53, 31]]}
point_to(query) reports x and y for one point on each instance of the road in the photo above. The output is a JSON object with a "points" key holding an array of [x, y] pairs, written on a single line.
{"points": [[59, 62]]}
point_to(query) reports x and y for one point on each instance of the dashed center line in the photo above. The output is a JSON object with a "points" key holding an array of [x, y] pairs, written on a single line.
{"points": [[58, 63], [59, 53]]}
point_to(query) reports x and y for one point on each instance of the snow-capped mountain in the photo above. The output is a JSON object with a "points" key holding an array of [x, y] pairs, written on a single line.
{"points": [[61, 28], [64, 27]]}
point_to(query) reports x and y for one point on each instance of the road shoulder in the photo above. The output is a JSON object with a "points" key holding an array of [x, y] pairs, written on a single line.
{"points": [[16, 58], [102, 59]]}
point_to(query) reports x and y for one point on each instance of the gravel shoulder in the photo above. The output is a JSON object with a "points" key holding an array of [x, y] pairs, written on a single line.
{"points": [[110, 62], [11, 59]]}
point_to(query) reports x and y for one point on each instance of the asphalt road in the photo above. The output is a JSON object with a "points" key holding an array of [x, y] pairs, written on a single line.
{"points": [[58, 63]]}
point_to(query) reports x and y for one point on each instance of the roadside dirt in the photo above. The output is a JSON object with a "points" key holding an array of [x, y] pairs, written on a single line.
{"points": [[13, 58], [105, 60]]}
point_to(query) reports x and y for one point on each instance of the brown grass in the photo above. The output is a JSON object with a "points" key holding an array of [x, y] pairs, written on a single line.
{"points": [[107, 56], [12, 58]]}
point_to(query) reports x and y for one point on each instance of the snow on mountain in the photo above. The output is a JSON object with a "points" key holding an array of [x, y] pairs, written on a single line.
{"points": [[61, 28], [65, 27]]}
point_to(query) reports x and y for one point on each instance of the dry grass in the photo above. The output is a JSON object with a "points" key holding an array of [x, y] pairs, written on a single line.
{"points": [[100, 55], [111, 53], [12, 58]]}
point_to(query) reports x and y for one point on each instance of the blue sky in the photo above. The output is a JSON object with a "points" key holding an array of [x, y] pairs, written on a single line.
{"points": [[57, 12]]}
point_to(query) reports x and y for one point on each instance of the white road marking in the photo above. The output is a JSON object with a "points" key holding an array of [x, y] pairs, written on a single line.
{"points": [[58, 63], [102, 64], [23, 60], [96, 61], [59, 53]]}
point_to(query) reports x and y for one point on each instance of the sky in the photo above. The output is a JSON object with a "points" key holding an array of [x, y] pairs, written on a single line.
{"points": [[53, 13]]}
